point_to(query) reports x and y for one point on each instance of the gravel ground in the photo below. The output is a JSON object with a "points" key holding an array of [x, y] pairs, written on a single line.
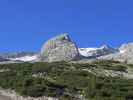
{"points": [[4, 98]]}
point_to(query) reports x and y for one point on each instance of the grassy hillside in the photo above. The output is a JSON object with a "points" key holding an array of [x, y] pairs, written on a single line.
{"points": [[67, 81]]}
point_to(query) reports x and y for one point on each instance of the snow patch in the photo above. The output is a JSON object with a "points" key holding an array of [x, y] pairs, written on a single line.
{"points": [[122, 51], [85, 51], [25, 58]]}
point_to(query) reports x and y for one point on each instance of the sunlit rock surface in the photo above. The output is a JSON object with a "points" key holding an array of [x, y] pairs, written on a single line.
{"points": [[59, 48]]}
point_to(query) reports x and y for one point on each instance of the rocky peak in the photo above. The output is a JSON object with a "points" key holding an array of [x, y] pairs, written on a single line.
{"points": [[125, 54], [59, 48], [62, 37], [105, 47], [126, 47]]}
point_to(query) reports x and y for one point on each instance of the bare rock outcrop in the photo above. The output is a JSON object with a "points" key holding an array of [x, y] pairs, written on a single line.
{"points": [[125, 54], [59, 48]]}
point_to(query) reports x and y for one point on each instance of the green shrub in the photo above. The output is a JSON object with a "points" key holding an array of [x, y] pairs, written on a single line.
{"points": [[64, 80]]}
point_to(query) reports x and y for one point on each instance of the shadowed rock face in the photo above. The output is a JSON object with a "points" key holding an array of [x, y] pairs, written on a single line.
{"points": [[3, 59], [59, 48]]}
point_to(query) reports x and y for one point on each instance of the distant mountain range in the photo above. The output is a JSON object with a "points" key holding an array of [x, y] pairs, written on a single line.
{"points": [[97, 52], [63, 48], [18, 56]]}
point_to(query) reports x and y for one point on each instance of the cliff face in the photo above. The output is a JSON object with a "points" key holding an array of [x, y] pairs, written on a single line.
{"points": [[59, 48]]}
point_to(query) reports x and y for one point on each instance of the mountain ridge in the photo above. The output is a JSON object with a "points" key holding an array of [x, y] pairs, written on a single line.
{"points": [[62, 47]]}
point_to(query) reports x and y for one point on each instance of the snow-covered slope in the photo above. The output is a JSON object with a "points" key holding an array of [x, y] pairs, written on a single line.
{"points": [[96, 52], [86, 51], [25, 58]]}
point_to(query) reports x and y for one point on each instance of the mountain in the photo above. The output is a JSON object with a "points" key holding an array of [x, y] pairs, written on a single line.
{"points": [[59, 48], [125, 54], [90, 73], [62, 48], [96, 52], [3, 59], [19, 56], [25, 58], [16, 54]]}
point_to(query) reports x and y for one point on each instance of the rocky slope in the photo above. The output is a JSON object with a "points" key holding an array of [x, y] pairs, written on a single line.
{"points": [[125, 54], [59, 48]]}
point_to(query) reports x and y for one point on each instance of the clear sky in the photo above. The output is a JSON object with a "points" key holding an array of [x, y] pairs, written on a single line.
{"points": [[26, 24]]}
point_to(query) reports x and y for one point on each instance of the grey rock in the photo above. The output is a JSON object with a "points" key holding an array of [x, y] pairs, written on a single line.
{"points": [[125, 54], [59, 48]]}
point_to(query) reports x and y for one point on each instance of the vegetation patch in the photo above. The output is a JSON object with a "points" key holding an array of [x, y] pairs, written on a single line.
{"points": [[67, 81]]}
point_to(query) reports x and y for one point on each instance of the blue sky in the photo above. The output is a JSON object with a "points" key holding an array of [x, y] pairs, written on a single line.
{"points": [[26, 24]]}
